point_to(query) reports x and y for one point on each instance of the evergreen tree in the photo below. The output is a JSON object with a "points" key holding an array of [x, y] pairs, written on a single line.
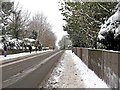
{"points": [[5, 17], [109, 34], [83, 20]]}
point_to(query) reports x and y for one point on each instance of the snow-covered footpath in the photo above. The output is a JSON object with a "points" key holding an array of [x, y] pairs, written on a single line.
{"points": [[71, 72]]}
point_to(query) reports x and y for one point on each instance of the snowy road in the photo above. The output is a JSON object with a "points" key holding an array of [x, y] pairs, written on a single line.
{"points": [[71, 72], [29, 72]]}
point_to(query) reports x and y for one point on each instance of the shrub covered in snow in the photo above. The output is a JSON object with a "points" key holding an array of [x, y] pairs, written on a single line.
{"points": [[109, 34], [13, 43]]}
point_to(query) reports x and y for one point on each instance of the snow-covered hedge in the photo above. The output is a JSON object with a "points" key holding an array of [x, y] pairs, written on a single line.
{"points": [[13, 43]]}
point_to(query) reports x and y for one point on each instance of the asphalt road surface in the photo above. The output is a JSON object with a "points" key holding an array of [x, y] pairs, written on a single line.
{"points": [[29, 72]]}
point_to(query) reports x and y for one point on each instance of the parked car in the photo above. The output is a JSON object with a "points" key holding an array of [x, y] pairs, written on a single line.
{"points": [[45, 48]]}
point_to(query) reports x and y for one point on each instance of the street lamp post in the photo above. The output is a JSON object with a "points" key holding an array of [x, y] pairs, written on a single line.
{"points": [[64, 43]]}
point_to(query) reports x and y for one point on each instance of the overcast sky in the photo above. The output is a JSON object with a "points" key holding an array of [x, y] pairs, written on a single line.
{"points": [[50, 9]]}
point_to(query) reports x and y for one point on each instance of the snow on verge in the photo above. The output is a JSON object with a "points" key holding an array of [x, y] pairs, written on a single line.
{"points": [[91, 80], [56, 74], [12, 56]]}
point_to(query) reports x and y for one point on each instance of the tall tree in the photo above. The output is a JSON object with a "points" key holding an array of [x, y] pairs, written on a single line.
{"points": [[37, 24], [19, 22], [65, 42], [83, 20], [6, 9], [40, 30]]}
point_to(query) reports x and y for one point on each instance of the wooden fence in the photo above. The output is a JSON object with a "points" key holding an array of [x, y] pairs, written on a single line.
{"points": [[105, 63]]}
